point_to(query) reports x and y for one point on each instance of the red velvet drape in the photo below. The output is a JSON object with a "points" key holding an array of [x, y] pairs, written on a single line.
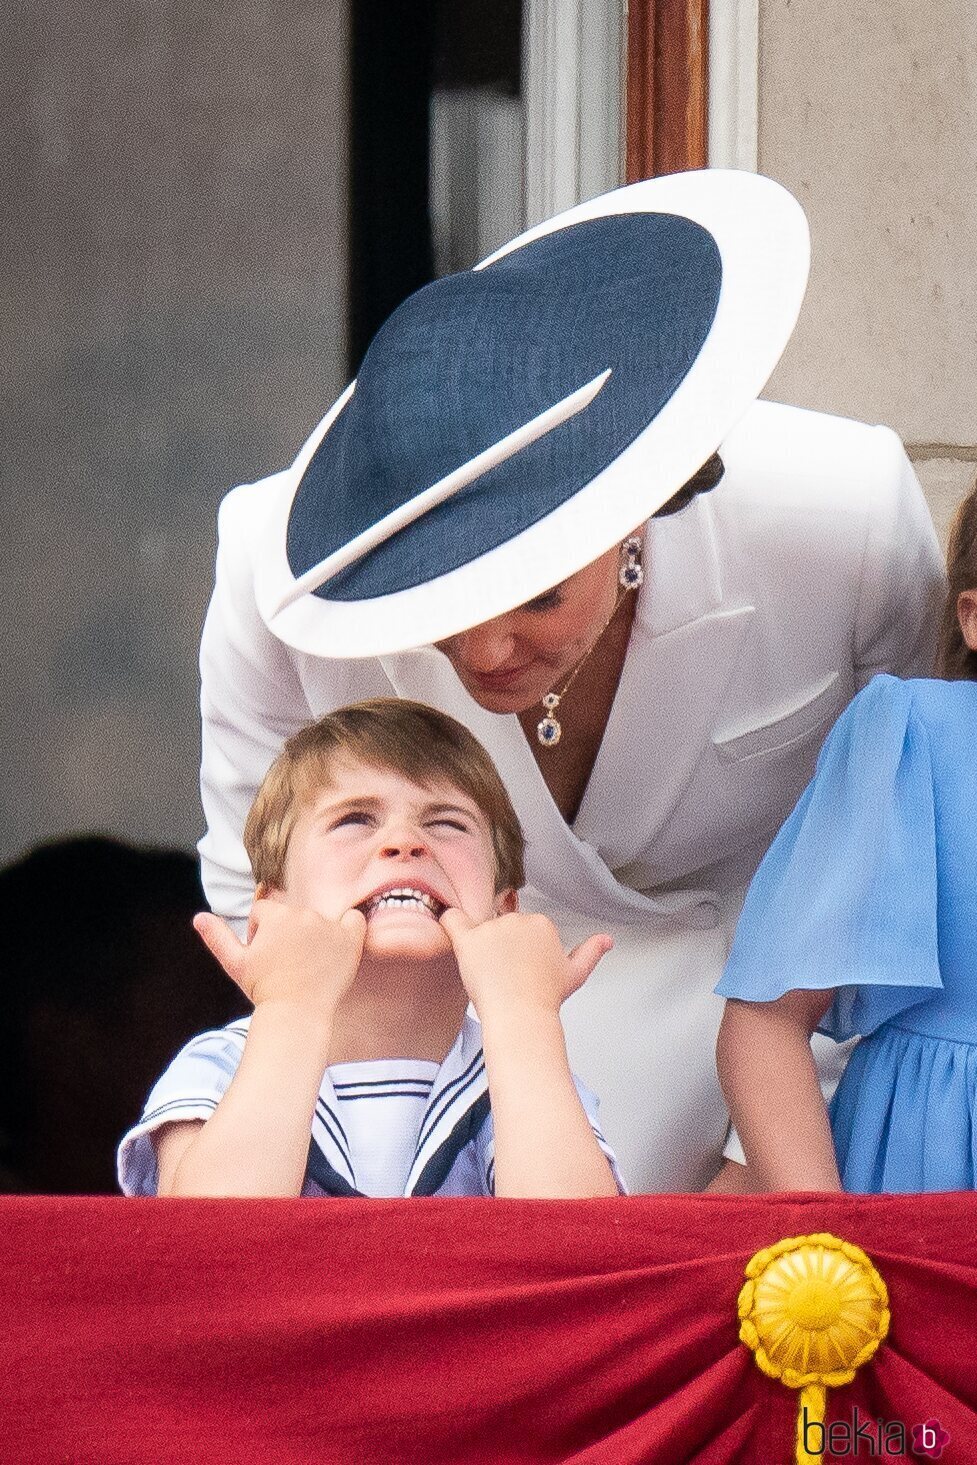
{"points": [[438, 1332]]}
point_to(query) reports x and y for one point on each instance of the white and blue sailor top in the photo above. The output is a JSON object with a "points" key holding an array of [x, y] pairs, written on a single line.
{"points": [[385, 1127]]}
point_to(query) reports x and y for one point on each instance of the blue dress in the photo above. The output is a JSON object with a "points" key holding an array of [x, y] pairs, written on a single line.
{"points": [[871, 888]]}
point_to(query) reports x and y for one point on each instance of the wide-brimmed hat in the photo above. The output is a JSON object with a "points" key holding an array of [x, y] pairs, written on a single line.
{"points": [[511, 423]]}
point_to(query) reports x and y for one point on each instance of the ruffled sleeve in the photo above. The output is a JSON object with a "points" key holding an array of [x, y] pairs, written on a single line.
{"points": [[846, 896]]}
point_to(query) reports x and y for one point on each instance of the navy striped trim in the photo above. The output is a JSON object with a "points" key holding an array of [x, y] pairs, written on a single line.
{"points": [[328, 1179], [438, 1167], [380, 1083], [448, 1096], [171, 1104], [332, 1124], [424, 1093]]}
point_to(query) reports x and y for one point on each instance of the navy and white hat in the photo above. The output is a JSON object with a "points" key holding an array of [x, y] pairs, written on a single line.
{"points": [[511, 423]]}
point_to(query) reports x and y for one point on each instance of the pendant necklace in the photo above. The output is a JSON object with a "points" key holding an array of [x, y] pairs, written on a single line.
{"points": [[630, 576]]}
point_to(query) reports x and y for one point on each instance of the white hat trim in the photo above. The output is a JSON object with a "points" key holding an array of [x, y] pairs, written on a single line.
{"points": [[737, 357], [452, 483]]}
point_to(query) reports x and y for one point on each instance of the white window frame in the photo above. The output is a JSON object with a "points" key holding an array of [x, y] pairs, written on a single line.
{"points": [[572, 68], [734, 83], [574, 54]]}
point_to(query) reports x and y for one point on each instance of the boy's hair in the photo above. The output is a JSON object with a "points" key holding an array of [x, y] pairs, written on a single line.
{"points": [[424, 745], [954, 658]]}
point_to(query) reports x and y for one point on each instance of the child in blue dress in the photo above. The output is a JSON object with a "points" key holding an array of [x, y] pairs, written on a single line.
{"points": [[862, 919]]}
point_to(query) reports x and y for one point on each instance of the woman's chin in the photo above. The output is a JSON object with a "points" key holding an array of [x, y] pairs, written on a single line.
{"points": [[516, 701], [516, 694]]}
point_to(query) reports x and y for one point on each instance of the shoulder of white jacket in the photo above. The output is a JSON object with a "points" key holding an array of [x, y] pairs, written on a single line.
{"points": [[248, 504], [779, 421], [784, 447]]}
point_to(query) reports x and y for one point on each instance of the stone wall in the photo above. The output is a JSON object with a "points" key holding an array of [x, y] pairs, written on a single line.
{"points": [[868, 113], [174, 297]]}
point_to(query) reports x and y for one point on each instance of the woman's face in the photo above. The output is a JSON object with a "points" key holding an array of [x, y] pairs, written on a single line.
{"points": [[510, 663]]}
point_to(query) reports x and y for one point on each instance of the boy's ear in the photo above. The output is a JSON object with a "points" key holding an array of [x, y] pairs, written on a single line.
{"points": [[506, 902], [264, 891], [967, 616]]}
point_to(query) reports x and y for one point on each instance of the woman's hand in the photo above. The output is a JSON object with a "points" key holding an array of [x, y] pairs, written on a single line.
{"points": [[292, 954], [516, 961]]}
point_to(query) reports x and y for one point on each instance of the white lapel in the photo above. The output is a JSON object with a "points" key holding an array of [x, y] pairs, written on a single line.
{"points": [[686, 640], [456, 1110], [684, 648]]}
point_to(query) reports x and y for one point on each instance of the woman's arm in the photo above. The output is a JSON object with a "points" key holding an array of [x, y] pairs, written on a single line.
{"points": [[251, 700], [517, 975], [732, 1178], [771, 1085]]}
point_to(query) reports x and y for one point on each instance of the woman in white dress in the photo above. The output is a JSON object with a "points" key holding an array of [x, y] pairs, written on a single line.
{"points": [[517, 514]]}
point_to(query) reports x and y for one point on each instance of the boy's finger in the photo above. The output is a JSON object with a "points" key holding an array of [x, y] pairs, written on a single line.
{"points": [[353, 921], [456, 922], [584, 958], [221, 942]]}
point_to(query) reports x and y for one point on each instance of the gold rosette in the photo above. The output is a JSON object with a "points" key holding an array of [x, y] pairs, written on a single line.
{"points": [[812, 1310]]}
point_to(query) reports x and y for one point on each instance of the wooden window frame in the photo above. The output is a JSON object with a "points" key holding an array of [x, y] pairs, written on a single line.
{"points": [[666, 126]]}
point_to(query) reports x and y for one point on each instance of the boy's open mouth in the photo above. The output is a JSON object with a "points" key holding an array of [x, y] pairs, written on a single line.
{"points": [[403, 897]]}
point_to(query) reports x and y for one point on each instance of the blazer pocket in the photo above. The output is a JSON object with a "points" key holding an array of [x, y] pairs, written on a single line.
{"points": [[800, 722]]}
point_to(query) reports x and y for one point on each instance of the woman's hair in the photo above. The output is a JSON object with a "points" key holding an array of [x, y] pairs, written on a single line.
{"points": [[954, 658], [423, 745], [701, 481]]}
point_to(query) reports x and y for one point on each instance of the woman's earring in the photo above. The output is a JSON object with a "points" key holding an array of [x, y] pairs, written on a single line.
{"points": [[630, 573]]}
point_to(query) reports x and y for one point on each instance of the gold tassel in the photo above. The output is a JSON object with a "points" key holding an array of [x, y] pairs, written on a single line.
{"points": [[812, 1310], [811, 1409]]}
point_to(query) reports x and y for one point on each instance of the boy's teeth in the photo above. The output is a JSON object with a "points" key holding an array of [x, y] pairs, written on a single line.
{"points": [[405, 896]]}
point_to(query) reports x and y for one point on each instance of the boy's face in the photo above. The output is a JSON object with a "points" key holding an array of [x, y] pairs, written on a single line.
{"points": [[400, 852]]}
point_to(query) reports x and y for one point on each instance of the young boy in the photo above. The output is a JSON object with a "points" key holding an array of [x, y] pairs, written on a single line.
{"points": [[387, 858]]}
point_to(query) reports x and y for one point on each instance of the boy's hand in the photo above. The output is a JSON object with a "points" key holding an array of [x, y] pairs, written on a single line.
{"points": [[291, 955], [517, 960]]}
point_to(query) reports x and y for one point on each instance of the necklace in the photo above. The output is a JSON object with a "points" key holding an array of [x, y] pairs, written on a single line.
{"points": [[630, 575]]}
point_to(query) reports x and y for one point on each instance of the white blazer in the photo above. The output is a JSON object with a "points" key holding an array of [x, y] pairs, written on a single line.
{"points": [[766, 604]]}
